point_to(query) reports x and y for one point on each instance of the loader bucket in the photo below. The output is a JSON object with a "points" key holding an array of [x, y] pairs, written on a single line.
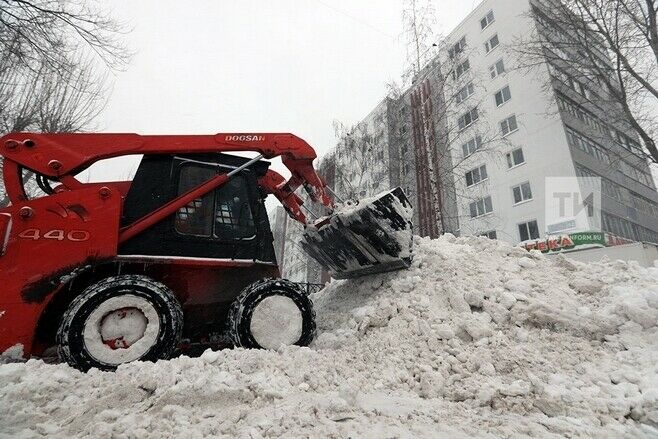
{"points": [[373, 236]]}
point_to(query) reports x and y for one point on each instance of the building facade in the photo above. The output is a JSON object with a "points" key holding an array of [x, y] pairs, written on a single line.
{"points": [[475, 139], [366, 160], [512, 129]]}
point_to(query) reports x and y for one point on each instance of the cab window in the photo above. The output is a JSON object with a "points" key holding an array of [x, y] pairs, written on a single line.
{"points": [[223, 214]]}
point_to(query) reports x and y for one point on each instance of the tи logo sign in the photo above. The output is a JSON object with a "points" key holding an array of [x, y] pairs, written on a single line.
{"points": [[573, 204], [245, 138]]}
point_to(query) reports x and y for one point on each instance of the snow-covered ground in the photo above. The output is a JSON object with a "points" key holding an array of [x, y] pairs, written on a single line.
{"points": [[477, 339]]}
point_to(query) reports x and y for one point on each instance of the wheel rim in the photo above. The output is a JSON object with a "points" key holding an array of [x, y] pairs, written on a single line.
{"points": [[275, 321], [121, 329]]}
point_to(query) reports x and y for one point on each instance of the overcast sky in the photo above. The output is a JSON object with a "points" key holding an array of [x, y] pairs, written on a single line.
{"points": [[257, 65]]}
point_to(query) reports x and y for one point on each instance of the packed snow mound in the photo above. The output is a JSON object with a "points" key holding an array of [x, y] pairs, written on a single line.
{"points": [[476, 339]]}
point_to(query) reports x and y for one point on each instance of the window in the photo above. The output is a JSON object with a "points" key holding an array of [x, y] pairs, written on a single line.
{"points": [[509, 125], [608, 187], [528, 230], [571, 82], [487, 20], [224, 213], [461, 68], [503, 95], [624, 228], [584, 143], [491, 44], [634, 173], [465, 92], [522, 193], [644, 204], [474, 176], [628, 143], [471, 146], [468, 118], [515, 158], [585, 116], [480, 207], [196, 217], [458, 48], [497, 68], [491, 234]]}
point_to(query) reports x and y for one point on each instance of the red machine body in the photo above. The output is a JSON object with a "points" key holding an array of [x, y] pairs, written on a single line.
{"points": [[53, 246]]}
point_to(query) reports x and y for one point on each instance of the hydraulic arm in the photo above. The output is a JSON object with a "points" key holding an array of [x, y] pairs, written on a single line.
{"points": [[62, 156], [373, 237]]}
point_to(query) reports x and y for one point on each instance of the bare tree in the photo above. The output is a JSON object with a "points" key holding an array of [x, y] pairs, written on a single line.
{"points": [[611, 49], [38, 32], [418, 19], [359, 154], [51, 79], [50, 101]]}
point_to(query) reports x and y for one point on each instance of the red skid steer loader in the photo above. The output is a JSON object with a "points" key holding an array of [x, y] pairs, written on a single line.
{"points": [[180, 256]]}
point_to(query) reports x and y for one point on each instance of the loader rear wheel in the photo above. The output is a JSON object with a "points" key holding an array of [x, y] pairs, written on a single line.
{"points": [[118, 320], [271, 313]]}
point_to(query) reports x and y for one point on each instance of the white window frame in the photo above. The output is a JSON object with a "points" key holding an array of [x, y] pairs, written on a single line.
{"points": [[473, 119], [465, 92], [502, 96], [480, 170], [487, 19], [506, 120], [525, 223], [520, 187], [457, 48], [477, 143], [484, 207], [510, 158], [493, 69], [455, 72], [488, 45]]}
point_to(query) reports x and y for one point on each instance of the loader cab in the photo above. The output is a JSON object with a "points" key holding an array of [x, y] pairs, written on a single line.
{"points": [[228, 223]]}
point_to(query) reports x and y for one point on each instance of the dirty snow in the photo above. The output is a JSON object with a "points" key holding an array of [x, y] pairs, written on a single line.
{"points": [[276, 321], [476, 339]]}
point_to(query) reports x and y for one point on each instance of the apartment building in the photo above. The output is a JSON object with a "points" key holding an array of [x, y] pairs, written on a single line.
{"points": [[475, 139], [601, 141], [366, 159], [511, 129]]}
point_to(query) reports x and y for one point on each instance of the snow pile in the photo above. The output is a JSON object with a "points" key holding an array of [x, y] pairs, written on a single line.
{"points": [[476, 339]]}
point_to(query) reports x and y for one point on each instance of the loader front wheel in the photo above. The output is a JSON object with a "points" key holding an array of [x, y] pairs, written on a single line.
{"points": [[272, 313], [118, 320]]}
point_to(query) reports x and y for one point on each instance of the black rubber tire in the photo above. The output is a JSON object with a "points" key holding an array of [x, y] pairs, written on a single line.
{"points": [[239, 316], [70, 340]]}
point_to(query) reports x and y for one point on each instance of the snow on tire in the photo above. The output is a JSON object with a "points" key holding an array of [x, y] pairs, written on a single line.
{"points": [[270, 313], [118, 320]]}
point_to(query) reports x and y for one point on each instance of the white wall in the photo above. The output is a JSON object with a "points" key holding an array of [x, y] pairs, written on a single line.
{"points": [[541, 136]]}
